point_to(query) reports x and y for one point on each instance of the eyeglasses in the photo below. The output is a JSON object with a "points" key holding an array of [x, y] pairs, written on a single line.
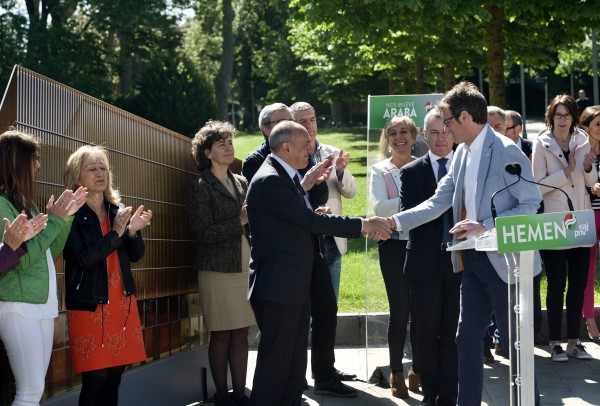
{"points": [[278, 121], [558, 116], [512, 127], [438, 134], [452, 117]]}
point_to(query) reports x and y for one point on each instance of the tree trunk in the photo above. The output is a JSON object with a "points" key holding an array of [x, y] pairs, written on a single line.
{"points": [[495, 56], [449, 79], [126, 64], [223, 78], [449, 65], [420, 74]]}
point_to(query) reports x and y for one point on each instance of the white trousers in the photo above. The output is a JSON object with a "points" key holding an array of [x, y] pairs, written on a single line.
{"points": [[28, 344]]}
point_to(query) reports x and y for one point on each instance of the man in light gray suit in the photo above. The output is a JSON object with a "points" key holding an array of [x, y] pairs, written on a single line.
{"points": [[477, 171]]}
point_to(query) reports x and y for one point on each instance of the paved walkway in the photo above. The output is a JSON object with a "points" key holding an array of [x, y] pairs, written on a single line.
{"points": [[572, 383]]}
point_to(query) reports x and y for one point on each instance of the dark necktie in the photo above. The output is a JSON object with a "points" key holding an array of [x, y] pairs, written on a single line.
{"points": [[299, 186], [447, 216]]}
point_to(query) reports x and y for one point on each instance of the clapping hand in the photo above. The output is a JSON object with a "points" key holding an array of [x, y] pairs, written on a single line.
{"points": [[22, 230], [341, 161], [139, 220], [377, 228], [68, 202], [588, 161], [323, 210], [318, 174]]}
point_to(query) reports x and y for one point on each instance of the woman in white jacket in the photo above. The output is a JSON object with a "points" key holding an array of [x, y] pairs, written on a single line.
{"points": [[562, 158], [397, 138]]}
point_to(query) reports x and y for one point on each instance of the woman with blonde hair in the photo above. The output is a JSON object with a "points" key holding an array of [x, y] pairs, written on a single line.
{"points": [[590, 123], [105, 333], [28, 291], [397, 138]]}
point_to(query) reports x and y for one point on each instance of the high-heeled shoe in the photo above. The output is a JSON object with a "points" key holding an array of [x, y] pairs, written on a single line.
{"points": [[592, 330]]}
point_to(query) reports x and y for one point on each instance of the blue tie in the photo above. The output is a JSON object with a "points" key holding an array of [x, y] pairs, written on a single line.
{"points": [[447, 216], [299, 186]]}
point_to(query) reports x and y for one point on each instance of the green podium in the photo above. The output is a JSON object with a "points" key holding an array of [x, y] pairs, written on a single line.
{"points": [[518, 237]]}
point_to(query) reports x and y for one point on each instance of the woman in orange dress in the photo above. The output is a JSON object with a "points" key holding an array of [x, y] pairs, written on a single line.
{"points": [[105, 333]]}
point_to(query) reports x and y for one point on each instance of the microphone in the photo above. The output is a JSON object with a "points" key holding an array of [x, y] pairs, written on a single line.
{"points": [[504, 188], [515, 169]]}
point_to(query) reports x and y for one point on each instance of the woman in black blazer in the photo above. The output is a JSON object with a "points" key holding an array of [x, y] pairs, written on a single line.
{"points": [[217, 213]]}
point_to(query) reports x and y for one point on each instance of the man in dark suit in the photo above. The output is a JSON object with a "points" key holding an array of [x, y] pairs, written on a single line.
{"points": [[324, 304], [282, 227], [435, 288], [476, 173], [514, 126], [269, 117]]}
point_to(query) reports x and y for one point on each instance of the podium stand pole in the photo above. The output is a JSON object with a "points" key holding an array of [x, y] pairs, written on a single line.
{"points": [[525, 371]]}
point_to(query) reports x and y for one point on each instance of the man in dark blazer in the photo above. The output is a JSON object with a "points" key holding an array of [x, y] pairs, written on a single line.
{"points": [[435, 288], [282, 225], [514, 126], [476, 173]]}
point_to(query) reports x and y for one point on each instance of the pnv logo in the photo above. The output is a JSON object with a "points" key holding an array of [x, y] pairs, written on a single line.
{"points": [[570, 221]]}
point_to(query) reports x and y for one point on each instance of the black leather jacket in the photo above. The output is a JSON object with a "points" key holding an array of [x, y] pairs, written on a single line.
{"points": [[85, 253]]}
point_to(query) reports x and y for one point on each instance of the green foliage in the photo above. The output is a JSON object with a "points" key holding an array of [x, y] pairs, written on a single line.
{"points": [[172, 93], [12, 38]]}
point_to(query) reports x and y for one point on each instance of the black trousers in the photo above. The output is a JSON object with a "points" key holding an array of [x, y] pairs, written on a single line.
{"points": [[436, 304], [571, 264], [397, 286], [281, 360], [324, 321]]}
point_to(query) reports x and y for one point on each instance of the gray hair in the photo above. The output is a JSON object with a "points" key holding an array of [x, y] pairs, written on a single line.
{"points": [[265, 114], [492, 110], [301, 106], [515, 117], [431, 115], [282, 133]]}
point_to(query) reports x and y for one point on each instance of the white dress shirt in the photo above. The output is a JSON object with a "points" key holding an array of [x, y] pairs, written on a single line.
{"points": [[473, 158]]}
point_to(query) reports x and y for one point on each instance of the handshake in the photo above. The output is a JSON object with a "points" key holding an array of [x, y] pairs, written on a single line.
{"points": [[377, 228]]}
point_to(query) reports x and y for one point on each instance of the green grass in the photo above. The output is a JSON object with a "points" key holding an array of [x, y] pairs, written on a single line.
{"points": [[361, 284]]}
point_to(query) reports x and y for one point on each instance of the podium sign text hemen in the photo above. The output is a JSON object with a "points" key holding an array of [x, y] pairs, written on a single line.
{"points": [[546, 231]]}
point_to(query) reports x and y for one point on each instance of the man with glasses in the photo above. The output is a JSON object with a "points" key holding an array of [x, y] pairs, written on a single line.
{"points": [[435, 288], [267, 119], [476, 173], [514, 126], [497, 119]]}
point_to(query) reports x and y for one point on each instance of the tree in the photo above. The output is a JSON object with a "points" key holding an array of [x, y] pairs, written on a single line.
{"points": [[223, 78]]}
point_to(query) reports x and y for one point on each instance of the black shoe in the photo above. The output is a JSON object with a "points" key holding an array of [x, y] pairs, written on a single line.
{"points": [[429, 400], [345, 376], [243, 401], [225, 401], [335, 388]]}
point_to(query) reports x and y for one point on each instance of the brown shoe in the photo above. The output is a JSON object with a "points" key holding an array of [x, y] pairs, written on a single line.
{"points": [[498, 349], [399, 389], [414, 380], [488, 358]]}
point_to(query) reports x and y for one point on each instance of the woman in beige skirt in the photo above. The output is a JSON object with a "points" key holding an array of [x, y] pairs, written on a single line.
{"points": [[217, 212]]}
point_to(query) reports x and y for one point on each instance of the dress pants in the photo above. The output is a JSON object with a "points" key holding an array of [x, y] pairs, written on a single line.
{"points": [[571, 264], [437, 302], [482, 292], [281, 361], [324, 321], [391, 261], [334, 261]]}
